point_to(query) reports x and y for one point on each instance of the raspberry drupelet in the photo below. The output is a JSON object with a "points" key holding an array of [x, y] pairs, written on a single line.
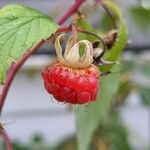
{"points": [[73, 78]]}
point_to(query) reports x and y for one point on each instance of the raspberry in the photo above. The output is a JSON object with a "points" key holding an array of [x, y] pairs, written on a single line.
{"points": [[73, 78], [75, 86]]}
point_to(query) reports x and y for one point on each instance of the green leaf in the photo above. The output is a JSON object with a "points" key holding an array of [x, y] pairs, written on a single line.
{"points": [[141, 17], [106, 23], [143, 68], [21, 28], [145, 95], [86, 26], [122, 37], [87, 121], [82, 36], [145, 4]]}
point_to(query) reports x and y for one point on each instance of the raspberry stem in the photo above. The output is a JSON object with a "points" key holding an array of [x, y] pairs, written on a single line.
{"points": [[6, 139], [71, 11], [74, 33]]}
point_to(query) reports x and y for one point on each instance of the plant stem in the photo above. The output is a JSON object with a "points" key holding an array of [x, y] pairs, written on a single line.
{"points": [[74, 33], [71, 11], [6, 139], [64, 29]]}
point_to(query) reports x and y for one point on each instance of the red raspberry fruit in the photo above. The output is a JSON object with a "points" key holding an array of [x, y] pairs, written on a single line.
{"points": [[75, 86], [73, 78]]}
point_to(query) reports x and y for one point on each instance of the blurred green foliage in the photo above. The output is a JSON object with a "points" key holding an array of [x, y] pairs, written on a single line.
{"points": [[145, 4], [133, 67], [141, 17], [145, 95]]}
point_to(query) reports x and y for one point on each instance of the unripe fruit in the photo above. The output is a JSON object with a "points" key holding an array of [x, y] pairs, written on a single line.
{"points": [[73, 78]]}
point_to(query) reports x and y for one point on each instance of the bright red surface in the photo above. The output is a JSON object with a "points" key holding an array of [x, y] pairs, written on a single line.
{"points": [[75, 86]]}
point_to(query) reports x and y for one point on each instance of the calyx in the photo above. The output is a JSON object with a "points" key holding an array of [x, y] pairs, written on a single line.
{"points": [[71, 56]]}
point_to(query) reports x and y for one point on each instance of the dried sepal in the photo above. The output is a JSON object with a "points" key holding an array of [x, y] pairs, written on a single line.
{"points": [[71, 57]]}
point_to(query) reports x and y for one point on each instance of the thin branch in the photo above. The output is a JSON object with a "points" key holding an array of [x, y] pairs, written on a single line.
{"points": [[64, 29], [6, 139], [74, 33], [71, 11]]}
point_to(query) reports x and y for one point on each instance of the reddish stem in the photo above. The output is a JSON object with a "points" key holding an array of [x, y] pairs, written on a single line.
{"points": [[74, 32], [64, 29], [71, 11], [6, 139]]}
